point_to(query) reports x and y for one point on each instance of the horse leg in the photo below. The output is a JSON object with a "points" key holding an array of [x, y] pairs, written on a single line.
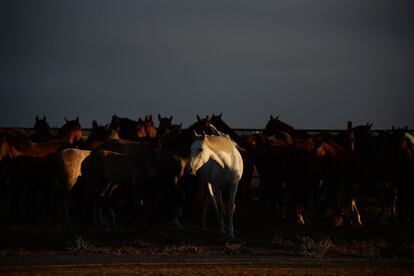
{"points": [[204, 208], [355, 211], [218, 202], [231, 207], [218, 206]]}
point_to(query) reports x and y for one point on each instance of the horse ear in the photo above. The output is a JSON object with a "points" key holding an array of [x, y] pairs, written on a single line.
{"points": [[94, 124], [66, 120], [221, 114], [207, 117], [150, 117], [114, 116], [77, 119], [171, 119], [271, 117], [44, 118], [198, 118], [37, 118], [140, 121], [159, 117]]}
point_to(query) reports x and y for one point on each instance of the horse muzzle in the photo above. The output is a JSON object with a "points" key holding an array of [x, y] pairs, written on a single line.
{"points": [[189, 169]]}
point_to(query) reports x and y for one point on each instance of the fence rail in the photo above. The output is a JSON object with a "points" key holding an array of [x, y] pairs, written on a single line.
{"points": [[238, 130]]}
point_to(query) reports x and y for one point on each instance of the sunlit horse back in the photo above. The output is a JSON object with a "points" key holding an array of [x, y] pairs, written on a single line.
{"points": [[220, 167]]}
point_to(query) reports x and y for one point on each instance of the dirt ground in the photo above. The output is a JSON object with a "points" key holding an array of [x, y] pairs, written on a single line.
{"points": [[262, 247]]}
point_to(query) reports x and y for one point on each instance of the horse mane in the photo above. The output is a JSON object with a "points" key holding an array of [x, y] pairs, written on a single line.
{"points": [[223, 127]]}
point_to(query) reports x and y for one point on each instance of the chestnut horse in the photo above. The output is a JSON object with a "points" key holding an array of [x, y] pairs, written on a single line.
{"points": [[15, 143]]}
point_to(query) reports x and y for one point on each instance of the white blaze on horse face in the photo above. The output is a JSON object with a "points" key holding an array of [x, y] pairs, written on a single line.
{"points": [[200, 154]]}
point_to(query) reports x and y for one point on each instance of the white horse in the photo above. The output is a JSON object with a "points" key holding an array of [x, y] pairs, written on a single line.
{"points": [[220, 167]]}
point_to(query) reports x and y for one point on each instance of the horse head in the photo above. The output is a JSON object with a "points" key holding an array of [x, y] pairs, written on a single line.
{"points": [[164, 127], [140, 129], [200, 153], [150, 129], [274, 126], [41, 125], [71, 131]]}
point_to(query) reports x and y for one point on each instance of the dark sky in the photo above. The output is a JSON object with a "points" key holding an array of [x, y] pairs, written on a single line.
{"points": [[315, 63]]}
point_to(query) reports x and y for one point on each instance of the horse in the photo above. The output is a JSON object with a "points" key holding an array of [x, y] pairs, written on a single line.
{"points": [[68, 174], [30, 185], [15, 143], [403, 146], [220, 167], [99, 135], [150, 130], [364, 142], [164, 126], [357, 175], [127, 128], [248, 165], [275, 126], [41, 131], [166, 193], [285, 169], [109, 174]]}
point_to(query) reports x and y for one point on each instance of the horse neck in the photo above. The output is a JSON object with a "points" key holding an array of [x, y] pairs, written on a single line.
{"points": [[217, 157], [69, 138], [151, 132]]}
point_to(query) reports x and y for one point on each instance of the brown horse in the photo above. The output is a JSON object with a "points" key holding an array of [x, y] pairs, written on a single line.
{"points": [[99, 134], [150, 130], [69, 173], [108, 173], [15, 143], [127, 128], [356, 176]]}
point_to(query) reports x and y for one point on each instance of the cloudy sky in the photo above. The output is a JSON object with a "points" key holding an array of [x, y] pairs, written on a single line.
{"points": [[315, 63]]}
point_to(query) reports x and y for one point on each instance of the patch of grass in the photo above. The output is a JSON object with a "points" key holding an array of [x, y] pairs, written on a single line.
{"points": [[233, 248], [185, 249], [82, 246], [367, 249], [279, 242], [309, 248]]}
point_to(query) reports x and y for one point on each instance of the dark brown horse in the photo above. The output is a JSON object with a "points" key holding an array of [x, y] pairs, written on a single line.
{"points": [[357, 177], [30, 187], [164, 126], [285, 170], [275, 126], [41, 131], [403, 146], [110, 174]]}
